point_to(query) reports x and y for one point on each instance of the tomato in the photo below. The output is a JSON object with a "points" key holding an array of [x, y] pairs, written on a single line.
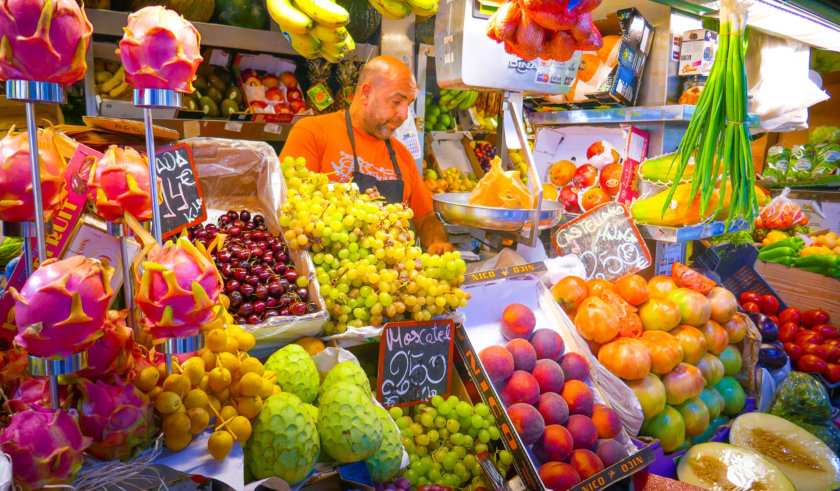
{"points": [[688, 278], [790, 314], [826, 331], [750, 307], [805, 336], [794, 351], [817, 350], [774, 318], [749, 297], [832, 342], [833, 352], [813, 317], [769, 304], [788, 332], [832, 372], [811, 364]]}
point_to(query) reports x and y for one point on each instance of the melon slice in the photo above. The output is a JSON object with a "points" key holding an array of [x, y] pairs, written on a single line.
{"points": [[805, 459], [724, 467]]}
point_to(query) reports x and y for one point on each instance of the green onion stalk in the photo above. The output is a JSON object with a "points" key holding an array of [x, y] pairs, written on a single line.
{"points": [[718, 135]]}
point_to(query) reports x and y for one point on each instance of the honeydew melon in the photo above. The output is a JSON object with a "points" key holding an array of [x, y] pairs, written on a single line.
{"points": [[719, 466]]}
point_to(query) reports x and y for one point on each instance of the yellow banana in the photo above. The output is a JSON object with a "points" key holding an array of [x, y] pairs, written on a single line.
{"points": [[289, 18], [339, 50], [114, 81], [305, 44], [391, 9], [329, 35], [331, 57], [118, 90], [424, 13], [324, 12], [422, 5]]}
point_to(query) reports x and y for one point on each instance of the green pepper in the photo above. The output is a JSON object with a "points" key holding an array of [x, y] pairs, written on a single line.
{"points": [[777, 253], [794, 242], [824, 262]]}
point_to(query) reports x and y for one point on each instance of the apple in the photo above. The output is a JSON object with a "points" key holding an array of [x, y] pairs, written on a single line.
{"points": [[610, 178], [270, 81], [585, 176], [294, 94], [288, 79], [275, 94], [297, 106], [569, 199], [282, 108], [601, 154], [258, 106]]}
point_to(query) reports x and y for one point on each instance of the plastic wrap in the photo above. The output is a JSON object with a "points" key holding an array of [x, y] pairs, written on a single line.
{"points": [[781, 213], [749, 348], [238, 175]]}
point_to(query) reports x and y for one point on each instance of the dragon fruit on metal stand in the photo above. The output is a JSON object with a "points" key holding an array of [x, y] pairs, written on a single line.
{"points": [[43, 40], [61, 308], [45, 446], [111, 354], [160, 50], [16, 203], [31, 393], [117, 416], [119, 184]]}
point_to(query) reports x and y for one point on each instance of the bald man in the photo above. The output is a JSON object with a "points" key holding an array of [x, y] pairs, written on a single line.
{"points": [[357, 145]]}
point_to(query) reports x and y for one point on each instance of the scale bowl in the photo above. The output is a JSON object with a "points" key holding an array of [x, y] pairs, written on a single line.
{"points": [[453, 207]]}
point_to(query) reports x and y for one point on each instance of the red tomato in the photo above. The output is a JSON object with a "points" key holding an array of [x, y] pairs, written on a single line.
{"points": [[817, 350], [832, 372], [806, 337], [833, 352], [826, 331], [788, 332], [814, 317], [833, 342], [750, 307], [790, 314], [749, 297], [811, 364], [769, 304], [794, 351], [774, 318]]}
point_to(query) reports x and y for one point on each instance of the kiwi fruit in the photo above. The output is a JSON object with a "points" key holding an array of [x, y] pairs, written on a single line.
{"points": [[229, 106], [214, 94], [234, 94], [216, 82], [190, 103], [200, 83], [209, 107], [223, 74]]}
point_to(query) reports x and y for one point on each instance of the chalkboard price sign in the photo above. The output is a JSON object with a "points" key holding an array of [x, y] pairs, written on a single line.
{"points": [[182, 204], [606, 240], [415, 361]]}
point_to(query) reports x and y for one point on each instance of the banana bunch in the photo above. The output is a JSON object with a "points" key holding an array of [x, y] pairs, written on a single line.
{"points": [[399, 9], [458, 99], [485, 123], [314, 27], [110, 79], [488, 104]]}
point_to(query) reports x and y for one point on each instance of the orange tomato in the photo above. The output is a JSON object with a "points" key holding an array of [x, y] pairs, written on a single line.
{"points": [[632, 288], [597, 286], [561, 172], [570, 292]]}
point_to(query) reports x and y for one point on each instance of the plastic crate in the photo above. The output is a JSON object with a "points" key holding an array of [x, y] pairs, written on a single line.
{"points": [[735, 266]]}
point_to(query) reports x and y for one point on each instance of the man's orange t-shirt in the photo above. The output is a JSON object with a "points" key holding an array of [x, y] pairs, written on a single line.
{"points": [[323, 141]]}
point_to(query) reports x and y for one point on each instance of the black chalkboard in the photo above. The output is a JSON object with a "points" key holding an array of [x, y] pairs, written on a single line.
{"points": [[182, 204], [415, 361], [606, 240]]}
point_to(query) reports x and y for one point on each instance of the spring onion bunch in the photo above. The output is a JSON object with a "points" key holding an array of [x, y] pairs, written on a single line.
{"points": [[718, 135]]}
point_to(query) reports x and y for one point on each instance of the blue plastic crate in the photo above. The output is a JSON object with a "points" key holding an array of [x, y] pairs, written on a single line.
{"points": [[735, 266]]}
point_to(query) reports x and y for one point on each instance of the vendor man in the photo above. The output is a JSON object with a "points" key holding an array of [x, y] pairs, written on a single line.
{"points": [[357, 145]]}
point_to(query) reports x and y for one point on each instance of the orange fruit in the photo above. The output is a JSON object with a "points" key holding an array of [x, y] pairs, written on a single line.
{"points": [[570, 292], [607, 49], [594, 197], [589, 65], [550, 192], [633, 289], [598, 286], [561, 172]]}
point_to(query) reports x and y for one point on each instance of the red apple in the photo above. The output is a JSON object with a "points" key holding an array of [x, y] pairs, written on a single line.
{"points": [[585, 176], [294, 94], [275, 94], [610, 178], [269, 81], [297, 106], [282, 108], [258, 106], [288, 79], [569, 199]]}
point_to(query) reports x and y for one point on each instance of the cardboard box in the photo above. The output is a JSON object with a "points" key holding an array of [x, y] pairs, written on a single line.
{"points": [[251, 71], [697, 53]]}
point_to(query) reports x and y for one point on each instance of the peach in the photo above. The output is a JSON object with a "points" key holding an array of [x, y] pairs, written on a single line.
{"points": [[606, 421], [518, 321], [558, 476], [575, 367], [524, 356], [578, 397], [549, 375], [610, 452], [555, 444], [521, 387], [586, 463], [553, 408], [548, 344], [497, 361], [527, 421], [583, 431]]}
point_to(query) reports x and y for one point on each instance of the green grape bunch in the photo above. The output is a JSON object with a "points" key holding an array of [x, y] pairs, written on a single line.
{"points": [[363, 249]]}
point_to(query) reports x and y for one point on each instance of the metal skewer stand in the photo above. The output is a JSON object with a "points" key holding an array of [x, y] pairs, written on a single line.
{"points": [[150, 99], [31, 93]]}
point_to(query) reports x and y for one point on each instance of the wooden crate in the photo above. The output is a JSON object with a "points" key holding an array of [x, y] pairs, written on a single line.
{"points": [[803, 289]]}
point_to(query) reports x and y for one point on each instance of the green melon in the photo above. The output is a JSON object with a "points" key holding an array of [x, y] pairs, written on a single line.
{"points": [[250, 14], [364, 19], [712, 466]]}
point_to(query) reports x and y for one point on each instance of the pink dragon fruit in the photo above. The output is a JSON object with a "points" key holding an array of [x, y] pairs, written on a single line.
{"points": [[32, 392], [141, 358], [111, 354], [160, 50], [16, 203], [45, 446], [43, 40], [119, 184], [61, 308], [117, 416]]}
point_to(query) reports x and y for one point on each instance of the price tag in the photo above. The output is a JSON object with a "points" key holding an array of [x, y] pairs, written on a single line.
{"points": [[668, 253], [606, 241], [415, 361], [182, 204]]}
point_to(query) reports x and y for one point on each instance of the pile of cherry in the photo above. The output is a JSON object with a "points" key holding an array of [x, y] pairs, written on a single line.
{"points": [[259, 277]]}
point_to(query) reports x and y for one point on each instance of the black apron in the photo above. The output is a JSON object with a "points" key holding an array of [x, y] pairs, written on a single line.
{"points": [[392, 191]]}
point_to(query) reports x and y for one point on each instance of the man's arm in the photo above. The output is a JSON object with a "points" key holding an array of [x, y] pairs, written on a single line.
{"points": [[432, 234]]}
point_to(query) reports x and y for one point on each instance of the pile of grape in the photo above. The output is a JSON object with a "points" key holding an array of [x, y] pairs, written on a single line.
{"points": [[364, 254], [442, 440], [484, 152], [260, 279]]}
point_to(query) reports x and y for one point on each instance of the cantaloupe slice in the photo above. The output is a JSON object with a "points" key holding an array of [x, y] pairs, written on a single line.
{"points": [[723, 467], [805, 459]]}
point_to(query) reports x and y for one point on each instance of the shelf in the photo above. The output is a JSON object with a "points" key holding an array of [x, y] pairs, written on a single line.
{"points": [[235, 130], [689, 233], [643, 114]]}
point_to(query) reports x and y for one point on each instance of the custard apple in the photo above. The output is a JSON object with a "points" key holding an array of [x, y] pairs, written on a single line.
{"points": [[347, 371], [347, 423], [296, 372], [385, 463], [312, 410], [284, 440]]}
